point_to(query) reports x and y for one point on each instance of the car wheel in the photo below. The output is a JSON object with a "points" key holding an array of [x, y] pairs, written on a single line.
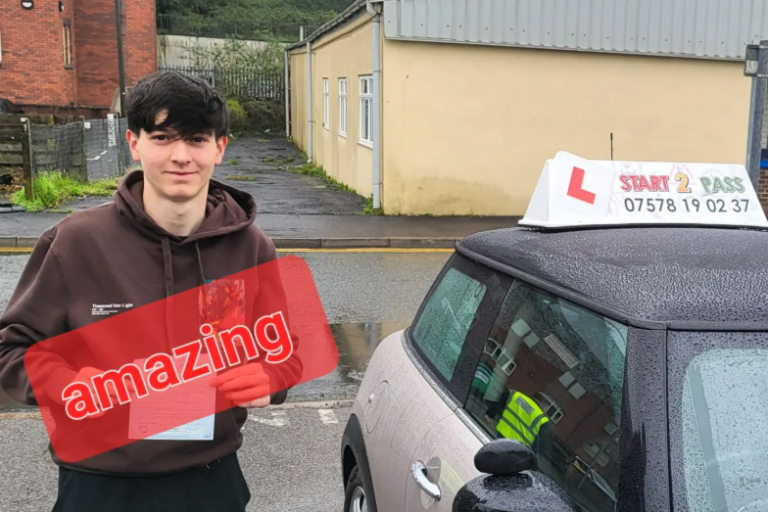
{"points": [[356, 499]]}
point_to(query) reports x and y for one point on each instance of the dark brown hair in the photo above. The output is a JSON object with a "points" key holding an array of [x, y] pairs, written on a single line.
{"points": [[193, 106]]}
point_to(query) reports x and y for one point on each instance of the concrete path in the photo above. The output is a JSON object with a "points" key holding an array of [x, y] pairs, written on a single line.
{"points": [[295, 210], [260, 169]]}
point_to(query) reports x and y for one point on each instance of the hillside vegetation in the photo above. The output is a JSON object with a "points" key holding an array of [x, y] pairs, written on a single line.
{"points": [[276, 19]]}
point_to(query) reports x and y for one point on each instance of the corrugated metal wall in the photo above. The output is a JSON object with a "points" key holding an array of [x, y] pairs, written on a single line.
{"points": [[718, 29]]}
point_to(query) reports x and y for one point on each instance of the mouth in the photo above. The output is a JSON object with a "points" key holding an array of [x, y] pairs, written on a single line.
{"points": [[180, 173]]}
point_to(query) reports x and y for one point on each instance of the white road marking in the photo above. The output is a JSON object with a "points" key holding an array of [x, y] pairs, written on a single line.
{"points": [[279, 419], [313, 405], [327, 416]]}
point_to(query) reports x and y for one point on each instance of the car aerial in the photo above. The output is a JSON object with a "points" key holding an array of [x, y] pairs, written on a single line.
{"points": [[565, 365]]}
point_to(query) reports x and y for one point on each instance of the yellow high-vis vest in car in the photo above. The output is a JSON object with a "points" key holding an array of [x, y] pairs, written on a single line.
{"points": [[522, 419]]}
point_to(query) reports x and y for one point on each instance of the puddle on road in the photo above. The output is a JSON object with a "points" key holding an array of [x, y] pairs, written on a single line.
{"points": [[355, 342]]}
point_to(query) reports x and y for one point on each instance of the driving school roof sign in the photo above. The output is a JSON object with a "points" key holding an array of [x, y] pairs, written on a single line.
{"points": [[575, 192]]}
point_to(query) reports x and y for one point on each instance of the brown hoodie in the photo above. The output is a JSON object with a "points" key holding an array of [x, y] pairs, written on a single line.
{"points": [[115, 254]]}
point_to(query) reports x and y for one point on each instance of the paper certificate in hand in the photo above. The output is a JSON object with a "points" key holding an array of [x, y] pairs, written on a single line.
{"points": [[155, 412]]}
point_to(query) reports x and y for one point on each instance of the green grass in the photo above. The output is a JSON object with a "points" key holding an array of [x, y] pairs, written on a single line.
{"points": [[264, 141], [269, 160], [240, 177], [310, 169], [54, 187], [369, 209], [234, 161]]}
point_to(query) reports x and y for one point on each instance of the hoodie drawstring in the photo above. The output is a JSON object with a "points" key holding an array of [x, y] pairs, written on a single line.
{"points": [[168, 274], [200, 264]]}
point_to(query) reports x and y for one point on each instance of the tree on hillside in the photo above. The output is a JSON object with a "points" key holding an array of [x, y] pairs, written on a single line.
{"points": [[264, 11]]}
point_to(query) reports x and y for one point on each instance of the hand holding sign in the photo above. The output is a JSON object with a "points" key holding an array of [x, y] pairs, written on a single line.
{"points": [[246, 386]]}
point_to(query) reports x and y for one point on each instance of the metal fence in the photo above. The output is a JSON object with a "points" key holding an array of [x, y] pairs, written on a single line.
{"points": [[106, 149], [86, 150], [250, 83], [58, 148]]}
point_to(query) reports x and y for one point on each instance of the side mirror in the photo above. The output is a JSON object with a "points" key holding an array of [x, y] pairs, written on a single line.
{"points": [[504, 487], [504, 457]]}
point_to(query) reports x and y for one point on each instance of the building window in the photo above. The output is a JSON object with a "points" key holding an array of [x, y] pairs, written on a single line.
{"points": [[343, 106], [326, 104], [569, 382], [366, 110], [551, 408], [503, 357], [67, 44]]}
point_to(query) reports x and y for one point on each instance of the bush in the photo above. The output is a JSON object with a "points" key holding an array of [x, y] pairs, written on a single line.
{"points": [[265, 115], [237, 116]]}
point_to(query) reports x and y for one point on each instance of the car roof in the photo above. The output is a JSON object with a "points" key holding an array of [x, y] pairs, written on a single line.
{"points": [[685, 277]]}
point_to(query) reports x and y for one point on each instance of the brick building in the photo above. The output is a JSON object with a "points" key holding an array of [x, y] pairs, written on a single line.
{"points": [[61, 56]]}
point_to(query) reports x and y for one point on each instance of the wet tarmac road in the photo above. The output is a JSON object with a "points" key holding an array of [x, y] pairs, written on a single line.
{"points": [[366, 297], [290, 455]]}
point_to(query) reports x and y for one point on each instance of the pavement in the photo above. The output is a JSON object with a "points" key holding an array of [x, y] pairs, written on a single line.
{"points": [[296, 211]]}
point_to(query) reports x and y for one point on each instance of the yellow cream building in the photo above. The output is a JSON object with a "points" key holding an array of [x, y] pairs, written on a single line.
{"points": [[452, 107]]}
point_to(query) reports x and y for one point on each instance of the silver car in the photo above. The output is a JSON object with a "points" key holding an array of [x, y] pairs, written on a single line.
{"points": [[588, 370]]}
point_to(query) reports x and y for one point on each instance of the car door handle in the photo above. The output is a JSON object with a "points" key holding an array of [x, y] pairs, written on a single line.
{"points": [[419, 473]]}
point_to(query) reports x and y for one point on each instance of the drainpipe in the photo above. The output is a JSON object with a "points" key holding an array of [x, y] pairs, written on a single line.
{"points": [[310, 121], [376, 14], [287, 97]]}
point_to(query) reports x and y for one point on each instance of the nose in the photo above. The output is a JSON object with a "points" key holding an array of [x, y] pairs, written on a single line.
{"points": [[180, 153]]}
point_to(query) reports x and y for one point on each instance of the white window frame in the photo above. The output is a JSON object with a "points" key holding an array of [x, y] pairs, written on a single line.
{"points": [[366, 97], [326, 104], [343, 107], [551, 408]]}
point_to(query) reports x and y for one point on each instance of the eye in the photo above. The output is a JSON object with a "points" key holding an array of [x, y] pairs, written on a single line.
{"points": [[199, 140]]}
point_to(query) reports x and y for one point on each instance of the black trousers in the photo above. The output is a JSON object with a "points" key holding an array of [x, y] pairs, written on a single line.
{"points": [[218, 487]]}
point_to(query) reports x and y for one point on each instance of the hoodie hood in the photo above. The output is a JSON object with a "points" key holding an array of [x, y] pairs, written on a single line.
{"points": [[227, 209]]}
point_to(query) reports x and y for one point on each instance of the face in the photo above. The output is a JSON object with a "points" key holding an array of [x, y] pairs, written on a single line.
{"points": [[177, 169]]}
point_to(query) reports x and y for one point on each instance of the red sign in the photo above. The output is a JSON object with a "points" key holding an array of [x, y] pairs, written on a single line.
{"points": [[575, 189], [267, 321]]}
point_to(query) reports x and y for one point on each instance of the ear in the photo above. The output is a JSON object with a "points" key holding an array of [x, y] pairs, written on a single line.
{"points": [[221, 145], [133, 141]]}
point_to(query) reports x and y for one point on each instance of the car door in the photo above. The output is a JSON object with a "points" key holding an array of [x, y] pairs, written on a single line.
{"points": [[445, 343], [565, 365], [422, 391]]}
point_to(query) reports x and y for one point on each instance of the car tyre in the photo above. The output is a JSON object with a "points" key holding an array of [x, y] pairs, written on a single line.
{"points": [[356, 497]]}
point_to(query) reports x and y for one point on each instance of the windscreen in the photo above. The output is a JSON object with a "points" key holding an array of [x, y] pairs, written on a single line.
{"points": [[718, 410]]}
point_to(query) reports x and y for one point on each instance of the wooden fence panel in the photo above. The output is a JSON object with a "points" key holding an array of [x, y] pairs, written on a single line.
{"points": [[14, 148]]}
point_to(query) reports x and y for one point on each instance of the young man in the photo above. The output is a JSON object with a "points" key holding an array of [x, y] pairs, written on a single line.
{"points": [[170, 228]]}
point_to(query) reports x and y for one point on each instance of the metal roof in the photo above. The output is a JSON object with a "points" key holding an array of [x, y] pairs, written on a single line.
{"points": [[350, 12], [673, 275], [713, 29]]}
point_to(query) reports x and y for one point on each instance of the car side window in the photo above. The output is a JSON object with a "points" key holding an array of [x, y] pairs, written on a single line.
{"points": [[448, 315], [551, 377]]}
